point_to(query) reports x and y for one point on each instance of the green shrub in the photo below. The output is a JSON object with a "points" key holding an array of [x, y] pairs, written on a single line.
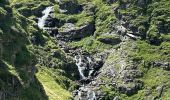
{"points": [[153, 35], [3, 13]]}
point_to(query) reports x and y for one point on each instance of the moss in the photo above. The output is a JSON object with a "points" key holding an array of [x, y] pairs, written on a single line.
{"points": [[90, 44], [110, 92], [3, 12], [165, 38], [153, 35], [104, 17]]}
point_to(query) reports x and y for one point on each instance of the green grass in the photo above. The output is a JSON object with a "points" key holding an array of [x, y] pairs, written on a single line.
{"points": [[53, 90], [90, 44]]}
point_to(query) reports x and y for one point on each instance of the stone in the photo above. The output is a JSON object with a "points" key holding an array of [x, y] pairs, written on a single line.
{"points": [[121, 30], [89, 8], [159, 90], [70, 6], [109, 39], [129, 89], [70, 32]]}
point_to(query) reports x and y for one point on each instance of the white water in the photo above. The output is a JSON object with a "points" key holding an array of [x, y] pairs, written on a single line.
{"points": [[46, 12], [90, 63], [81, 66], [86, 93], [91, 95]]}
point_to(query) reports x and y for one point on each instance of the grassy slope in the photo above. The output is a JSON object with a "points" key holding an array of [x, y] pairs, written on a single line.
{"points": [[19, 57], [53, 90], [104, 17]]}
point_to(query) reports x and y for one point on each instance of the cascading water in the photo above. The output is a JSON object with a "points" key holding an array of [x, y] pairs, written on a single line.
{"points": [[81, 66], [42, 20], [85, 93], [85, 64], [90, 65]]}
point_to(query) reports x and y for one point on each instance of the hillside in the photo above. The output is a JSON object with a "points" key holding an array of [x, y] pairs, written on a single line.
{"points": [[84, 50]]}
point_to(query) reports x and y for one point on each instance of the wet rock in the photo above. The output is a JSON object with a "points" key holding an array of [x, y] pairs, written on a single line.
{"points": [[50, 22], [85, 93], [53, 32], [70, 32]]}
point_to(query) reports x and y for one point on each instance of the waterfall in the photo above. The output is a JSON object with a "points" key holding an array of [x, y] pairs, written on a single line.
{"points": [[86, 93], [81, 66], [85, 63], [91, 95], [46, 12], [90, 65]]}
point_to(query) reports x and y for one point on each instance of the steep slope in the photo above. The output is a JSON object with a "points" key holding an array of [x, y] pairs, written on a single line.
{"points": [[85, 50], [25, 52]]}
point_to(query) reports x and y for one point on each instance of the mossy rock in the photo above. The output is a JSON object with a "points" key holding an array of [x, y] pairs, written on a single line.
{"points": [[71, 6]]}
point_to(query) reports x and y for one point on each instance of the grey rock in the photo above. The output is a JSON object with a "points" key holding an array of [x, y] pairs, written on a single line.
{"points": [[159, 90], [70, 32], [110, 40], [70, 6], [89, 8]]}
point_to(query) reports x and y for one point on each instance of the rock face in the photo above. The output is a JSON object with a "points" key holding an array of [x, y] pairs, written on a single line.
{"points": [[70, 6], [118, 73], [70, 32]]}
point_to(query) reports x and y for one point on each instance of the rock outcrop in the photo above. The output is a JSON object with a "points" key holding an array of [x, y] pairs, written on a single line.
{"points": [[70, 32], [69, 6]]}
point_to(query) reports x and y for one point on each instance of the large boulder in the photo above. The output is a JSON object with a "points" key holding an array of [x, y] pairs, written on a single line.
{"points": [[70, 6], [112, 39], [70, 32]]}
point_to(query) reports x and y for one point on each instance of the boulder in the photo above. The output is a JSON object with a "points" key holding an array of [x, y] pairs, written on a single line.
{"points": [[130, 88], [70, 6], [70, 32], [109, 39], [121, 30]]}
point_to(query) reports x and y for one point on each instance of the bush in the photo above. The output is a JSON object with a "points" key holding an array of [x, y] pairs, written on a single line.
{"points": [[153, 35], [3, 13]]}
